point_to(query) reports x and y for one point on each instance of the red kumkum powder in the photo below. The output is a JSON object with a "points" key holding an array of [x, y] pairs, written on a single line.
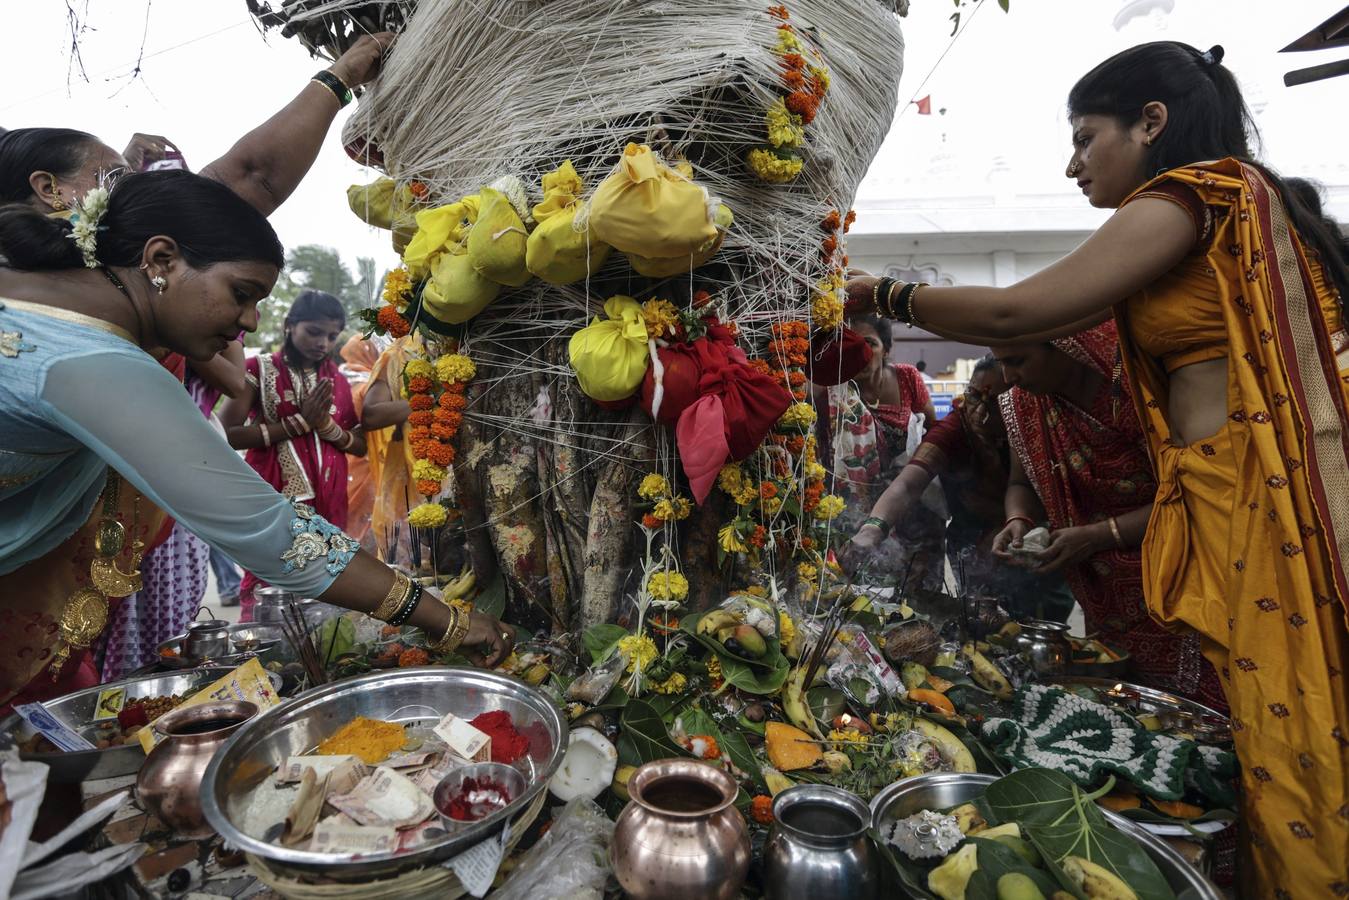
{"points": [[508, 745], [478, 799]]}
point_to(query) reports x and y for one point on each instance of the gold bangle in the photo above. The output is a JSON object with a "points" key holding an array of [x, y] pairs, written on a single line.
{"points": [[1114, 529], [913, 318], [455, 632], [397, 596]]}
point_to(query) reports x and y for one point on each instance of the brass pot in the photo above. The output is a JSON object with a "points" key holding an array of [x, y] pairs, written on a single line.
{"points": [[169, 784], [680, 837]]}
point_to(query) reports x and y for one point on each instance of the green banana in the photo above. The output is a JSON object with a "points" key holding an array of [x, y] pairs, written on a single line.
{"points": [[794, 703], [1096, 881], [715, 620]]}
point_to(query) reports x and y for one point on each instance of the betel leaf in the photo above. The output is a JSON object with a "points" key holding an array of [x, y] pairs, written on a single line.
{"points": [[755, 681], [600, 639], [492, 598], [336, 637], [737, 748], [770, 660], [1031, 797], [910, 875], [644, 737], [995, 861], [1106, 846]]}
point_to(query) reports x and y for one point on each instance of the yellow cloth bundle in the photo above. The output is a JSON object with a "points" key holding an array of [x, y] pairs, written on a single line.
{"points": [[556, 251], [496, 243], [665, 267], [385, 204], [456, 291], [651, 209], [610, 357], [439, 230]]}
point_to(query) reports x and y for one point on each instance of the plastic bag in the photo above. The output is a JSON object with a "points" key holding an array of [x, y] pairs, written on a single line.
{"points": [[570, 861], [496, 243], [611, 356], [650, 209], [557, 251]]}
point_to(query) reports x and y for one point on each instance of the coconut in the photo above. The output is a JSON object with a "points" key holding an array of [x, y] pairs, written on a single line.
{"points": [[913, 641], [588, 767]]}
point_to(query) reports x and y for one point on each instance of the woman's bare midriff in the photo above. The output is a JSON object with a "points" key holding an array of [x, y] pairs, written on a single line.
{"points": [[1197, 404]]}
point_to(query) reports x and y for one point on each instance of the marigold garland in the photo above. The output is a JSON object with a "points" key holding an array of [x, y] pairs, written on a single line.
{"points": [[435, 391], [805, 85]]}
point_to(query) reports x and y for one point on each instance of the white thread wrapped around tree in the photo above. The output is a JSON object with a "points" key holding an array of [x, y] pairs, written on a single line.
{"points": [[477, 90]]}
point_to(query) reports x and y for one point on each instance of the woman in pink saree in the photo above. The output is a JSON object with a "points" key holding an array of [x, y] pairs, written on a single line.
{"points": [[297, 419]]}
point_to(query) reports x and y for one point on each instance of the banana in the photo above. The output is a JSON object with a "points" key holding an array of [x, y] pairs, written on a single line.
{"points": [[715, 620], [794, 703], [988, 676], [1095, 881], [952, 750], [969, 820], [461, 586]]}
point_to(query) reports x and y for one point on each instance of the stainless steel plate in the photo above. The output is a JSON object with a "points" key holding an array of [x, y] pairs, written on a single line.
{"points": [[941, 791], [416, 697], [77, 711], [1207, 724], [267, 642]]}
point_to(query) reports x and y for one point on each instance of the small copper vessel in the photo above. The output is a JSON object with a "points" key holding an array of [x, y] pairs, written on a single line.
{"points": [[169, 784], [680, 838]]}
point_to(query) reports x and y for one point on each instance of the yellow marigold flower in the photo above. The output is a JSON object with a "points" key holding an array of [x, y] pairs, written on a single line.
{"points": [[756, 590], [425, 470], [661, 317], [729, 540], [454, 368], [784, 127], [786, 629], [788, 42], [730, 478], [665, 511], [815, 471], [798, 415], [807, 571], [668, 586], [714, 671], [418, 368], [672, 685], [653, 487], [683, 507], [770, 167], [845, 637], [843, 739], [822, 74], [745, 496], [640, 650], [830, 506], [398, 288], [771, 505], [428, 515], [826, 311]]}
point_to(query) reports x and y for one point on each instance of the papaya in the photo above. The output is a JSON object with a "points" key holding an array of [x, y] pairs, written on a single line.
{"points": [[790, 748], [1177, 809], [933, 699], [1120, 799]]}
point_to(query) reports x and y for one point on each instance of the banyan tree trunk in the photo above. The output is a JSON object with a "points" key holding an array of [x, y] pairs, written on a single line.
{"points": [[474, 91]]}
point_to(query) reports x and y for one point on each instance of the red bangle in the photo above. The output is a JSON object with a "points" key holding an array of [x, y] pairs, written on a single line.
{"points": [[1027, 519]]}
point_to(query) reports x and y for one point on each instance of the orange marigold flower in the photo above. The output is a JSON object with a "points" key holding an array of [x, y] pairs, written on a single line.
{"points": [[795, 378], [795, 444], [450, 417], [758, 536], [440, 454], [818, 88], [419, 433], [420, 419], [800, 396], [793, 79], [810, 504], [849, 219], [419, 385], [703, 746], [829, 245], [794, 61], [768, 490], [441, 431], [845, 261], [456, 388], [761, 809], [780, 468], [453, 400], [428, 488], [760, 365], [389, 319], [830, 222], [413, 656], [650, 521], [700, 298], [779, 12], [421, 401], [807, 543], [665, 624]]}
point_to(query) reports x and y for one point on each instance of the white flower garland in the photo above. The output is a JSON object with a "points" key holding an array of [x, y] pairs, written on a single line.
{"points": [[87, 214]]}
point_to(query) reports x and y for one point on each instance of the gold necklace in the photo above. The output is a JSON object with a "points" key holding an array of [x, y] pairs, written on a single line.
{"points": [[85, 614]]}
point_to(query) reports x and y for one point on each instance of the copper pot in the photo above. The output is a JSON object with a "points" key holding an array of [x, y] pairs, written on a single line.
{"points": [[169, 784], [680, 837]]}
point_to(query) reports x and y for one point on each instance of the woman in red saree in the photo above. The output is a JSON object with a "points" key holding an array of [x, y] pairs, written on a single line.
{"points": [[1079, 456], [297, 419]]}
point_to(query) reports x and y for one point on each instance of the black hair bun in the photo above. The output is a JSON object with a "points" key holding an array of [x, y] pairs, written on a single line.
{"points": [[1214, 55]]}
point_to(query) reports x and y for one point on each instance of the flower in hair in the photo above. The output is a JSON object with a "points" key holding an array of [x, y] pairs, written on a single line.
{"points": [[88, 213]]}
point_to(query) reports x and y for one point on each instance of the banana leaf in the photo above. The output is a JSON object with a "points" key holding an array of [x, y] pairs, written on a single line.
{"points": [[911, 876], [770, 660]]}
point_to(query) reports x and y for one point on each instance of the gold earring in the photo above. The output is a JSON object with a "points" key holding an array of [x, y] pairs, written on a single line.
{"points": [[58, 203]]}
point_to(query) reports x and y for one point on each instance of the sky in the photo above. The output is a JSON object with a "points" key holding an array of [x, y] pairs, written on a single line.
{"points": [[207, 76]]}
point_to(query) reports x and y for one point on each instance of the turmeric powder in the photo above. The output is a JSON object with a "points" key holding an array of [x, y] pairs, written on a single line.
{"points": [[369, 739]]}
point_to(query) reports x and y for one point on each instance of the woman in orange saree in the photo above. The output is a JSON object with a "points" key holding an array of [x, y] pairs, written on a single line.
{"points": [[1227, 292]]}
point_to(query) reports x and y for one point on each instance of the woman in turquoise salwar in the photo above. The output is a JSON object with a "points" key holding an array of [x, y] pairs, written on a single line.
{"points": [[172, 260]]}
